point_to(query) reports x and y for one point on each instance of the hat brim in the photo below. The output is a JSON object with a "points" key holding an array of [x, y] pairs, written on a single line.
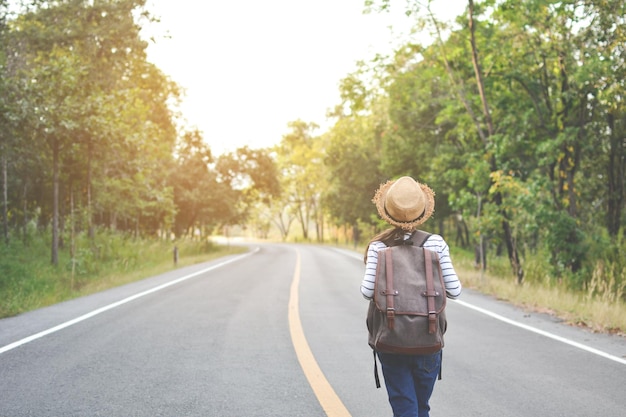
{"points": [[379, 201]]}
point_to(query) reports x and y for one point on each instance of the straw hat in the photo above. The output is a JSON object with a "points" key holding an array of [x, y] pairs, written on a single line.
{"points": [[404, 203]]}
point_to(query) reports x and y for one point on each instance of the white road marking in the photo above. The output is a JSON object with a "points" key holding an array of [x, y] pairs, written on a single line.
{"points": [[542, 332], [117, 304]]}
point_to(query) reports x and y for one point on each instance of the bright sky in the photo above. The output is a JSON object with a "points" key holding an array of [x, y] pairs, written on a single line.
{"points": [[249, 67]]}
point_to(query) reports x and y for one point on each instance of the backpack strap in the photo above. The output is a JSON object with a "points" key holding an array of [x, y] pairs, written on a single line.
{"points": [[440, 365], [391, 311], [430, 293], [420, 237], [390, 292], [376, 377]]}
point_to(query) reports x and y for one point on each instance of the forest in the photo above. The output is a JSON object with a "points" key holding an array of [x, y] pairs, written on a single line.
{"points": [[515, 115]]}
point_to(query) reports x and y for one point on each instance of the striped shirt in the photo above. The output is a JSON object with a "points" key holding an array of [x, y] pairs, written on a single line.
{"points": [[434, 243]]}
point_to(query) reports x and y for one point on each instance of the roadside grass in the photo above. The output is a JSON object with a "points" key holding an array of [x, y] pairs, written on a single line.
{"points": [[589, 309], [28, 280]]}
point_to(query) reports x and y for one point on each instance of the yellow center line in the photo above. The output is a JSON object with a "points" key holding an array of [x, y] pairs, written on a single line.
{"points": [[330, 402]]}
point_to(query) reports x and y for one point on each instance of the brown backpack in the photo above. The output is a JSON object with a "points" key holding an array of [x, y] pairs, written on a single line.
{"points": [[407, 313]]}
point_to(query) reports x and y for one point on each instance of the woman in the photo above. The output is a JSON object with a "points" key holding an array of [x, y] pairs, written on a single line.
{"points": [[405, 204]]}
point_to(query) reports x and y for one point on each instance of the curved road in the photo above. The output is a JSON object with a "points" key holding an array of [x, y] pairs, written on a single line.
{"points": [[280, 331]]}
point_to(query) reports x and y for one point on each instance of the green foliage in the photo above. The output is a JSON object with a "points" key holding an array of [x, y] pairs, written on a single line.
{"points": [[566, 242], [519, 136], [88, 126]]}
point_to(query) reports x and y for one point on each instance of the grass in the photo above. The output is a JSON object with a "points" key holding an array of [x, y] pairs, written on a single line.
{"points": [[586, 309], [28, 280]]}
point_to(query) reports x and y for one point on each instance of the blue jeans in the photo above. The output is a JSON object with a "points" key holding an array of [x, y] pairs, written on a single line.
{"points": [[410, 380]]}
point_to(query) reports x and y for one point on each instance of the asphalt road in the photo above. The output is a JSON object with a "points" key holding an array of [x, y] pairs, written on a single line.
{"points": [[221, 339]]}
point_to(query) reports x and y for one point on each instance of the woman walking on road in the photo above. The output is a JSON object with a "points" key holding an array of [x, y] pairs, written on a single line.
{"points": [[405, 204]]}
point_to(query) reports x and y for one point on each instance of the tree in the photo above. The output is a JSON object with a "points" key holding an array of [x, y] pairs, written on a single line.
{"points": [[81, 72], [253, 175], [56, 99], [509, 239], [192, 181], [5, 125], [352, 161], [300, 162]]}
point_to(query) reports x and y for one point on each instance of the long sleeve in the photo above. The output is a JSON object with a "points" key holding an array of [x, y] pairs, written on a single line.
{"points": [[450, 278], [367, 285]]}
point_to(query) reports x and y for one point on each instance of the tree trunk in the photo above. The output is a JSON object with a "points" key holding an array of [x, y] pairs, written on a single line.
{"points": [[90, 228], [72, 237], [319, 226], [5, 199], [55, 204], [616, 171], [506, 227], [303, 218], [25, 208], [62, 216], [356, 234]]}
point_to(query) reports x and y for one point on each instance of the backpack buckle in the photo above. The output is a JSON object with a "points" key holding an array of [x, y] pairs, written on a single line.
{"points": [[430, 294], [432, 322], [391, 316]]}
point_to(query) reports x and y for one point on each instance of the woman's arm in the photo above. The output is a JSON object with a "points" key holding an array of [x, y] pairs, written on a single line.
{"points": [[367, 285], [450, 278]]}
